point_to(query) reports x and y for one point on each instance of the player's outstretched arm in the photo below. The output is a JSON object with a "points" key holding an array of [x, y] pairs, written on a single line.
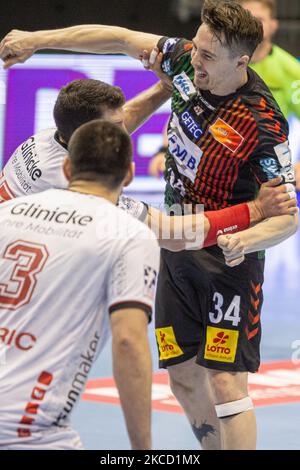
{"points": [[132, 368], [17, 46], [201, 230], [176, 233], [141, 107]]}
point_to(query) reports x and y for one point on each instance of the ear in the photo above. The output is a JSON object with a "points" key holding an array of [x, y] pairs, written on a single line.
{"points": [[67, 168], [130, 175], [243, 62], [274, 26]]}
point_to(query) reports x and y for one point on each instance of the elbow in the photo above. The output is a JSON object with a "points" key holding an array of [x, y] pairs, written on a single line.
{"points": [[129, 345]]}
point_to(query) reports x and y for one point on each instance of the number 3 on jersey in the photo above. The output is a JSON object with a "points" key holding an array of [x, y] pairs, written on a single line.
{"points": [[28, 260], [232, 314]]}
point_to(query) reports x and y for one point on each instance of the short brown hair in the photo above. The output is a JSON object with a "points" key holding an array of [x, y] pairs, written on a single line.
{"points": [[82, 101], [242, 32], [270, 4], [100, 151]]}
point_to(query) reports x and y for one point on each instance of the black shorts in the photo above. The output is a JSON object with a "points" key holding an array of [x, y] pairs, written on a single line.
{"points": [[208, 309]]}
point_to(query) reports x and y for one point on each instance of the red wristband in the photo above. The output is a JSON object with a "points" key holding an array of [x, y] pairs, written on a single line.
{"points": [[230, 220]]}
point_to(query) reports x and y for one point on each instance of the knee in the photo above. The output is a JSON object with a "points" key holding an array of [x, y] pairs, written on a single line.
{"points": [[227, 386]]}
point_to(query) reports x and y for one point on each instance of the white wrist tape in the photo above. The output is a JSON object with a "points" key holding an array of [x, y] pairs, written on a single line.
{"points": [[234, 407], [137, 209], [153, 57]]}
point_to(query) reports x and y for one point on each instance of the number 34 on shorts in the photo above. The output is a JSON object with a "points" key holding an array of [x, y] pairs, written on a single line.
{"points": [[221, 343]]}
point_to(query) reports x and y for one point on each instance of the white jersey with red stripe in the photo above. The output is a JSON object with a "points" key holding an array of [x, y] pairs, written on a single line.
{"points": [[36, 165], [67, 261]]}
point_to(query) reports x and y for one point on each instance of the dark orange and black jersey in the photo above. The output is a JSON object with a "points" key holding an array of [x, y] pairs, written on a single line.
{"points": [[221, 149]]}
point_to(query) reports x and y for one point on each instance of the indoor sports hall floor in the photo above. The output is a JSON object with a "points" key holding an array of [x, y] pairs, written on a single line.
{"points": [[276, 389]]}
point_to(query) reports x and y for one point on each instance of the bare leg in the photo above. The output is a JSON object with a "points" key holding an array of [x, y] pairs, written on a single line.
{"points": [[238, 432], [190, 384]]}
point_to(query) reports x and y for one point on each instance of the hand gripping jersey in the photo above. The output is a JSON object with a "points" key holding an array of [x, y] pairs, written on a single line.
{"points": [[67, 261], [35, 166], [220, 148]]}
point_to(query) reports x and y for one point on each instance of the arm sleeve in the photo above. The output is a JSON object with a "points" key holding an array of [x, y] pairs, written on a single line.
{"points": [[272, 155], [176, 52], [133, 277]]}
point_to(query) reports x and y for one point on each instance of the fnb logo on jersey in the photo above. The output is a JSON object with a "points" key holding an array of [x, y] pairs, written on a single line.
{"points": [[226, 135], [167, 343], [221, 344], [37, 396], [184, 85], [187, 155]]}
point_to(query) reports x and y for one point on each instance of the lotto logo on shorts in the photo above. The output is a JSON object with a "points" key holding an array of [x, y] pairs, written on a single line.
{"points": [[221, 344], [168, 346]]}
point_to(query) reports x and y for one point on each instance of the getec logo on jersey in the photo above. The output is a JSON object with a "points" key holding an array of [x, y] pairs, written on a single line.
{"points": [[184, 85], [167, 344], [188, 122], [226, 135], [221, 344]]}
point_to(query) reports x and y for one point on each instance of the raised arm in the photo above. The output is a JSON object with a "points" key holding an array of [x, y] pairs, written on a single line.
{"points": [[18, 46], [142, 106]]}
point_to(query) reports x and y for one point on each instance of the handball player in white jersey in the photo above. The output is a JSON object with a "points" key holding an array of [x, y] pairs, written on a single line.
{"points": [[37, 164], [74, 267]]}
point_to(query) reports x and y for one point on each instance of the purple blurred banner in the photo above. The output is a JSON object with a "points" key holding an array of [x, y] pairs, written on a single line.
{"points": [[23, 84]]}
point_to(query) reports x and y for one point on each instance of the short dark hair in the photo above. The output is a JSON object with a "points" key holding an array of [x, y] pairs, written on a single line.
{"points": [[241, 31], [270, 4], [100, 151], [81, 101]]}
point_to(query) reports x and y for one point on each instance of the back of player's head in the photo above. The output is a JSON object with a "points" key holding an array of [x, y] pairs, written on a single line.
{"points": [[81, 101], [100, 151], [234, 26]]}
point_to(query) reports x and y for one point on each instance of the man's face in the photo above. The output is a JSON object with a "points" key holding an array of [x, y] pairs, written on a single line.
{"points": [[262, 13], [115, 115], [213, 64]]}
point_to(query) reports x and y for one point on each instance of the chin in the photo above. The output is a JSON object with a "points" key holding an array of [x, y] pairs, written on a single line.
{"points": [[201, 84]]}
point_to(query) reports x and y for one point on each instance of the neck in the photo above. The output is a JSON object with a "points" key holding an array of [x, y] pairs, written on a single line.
{"points": [[232, 86], [95, 189], [262, 51]]}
